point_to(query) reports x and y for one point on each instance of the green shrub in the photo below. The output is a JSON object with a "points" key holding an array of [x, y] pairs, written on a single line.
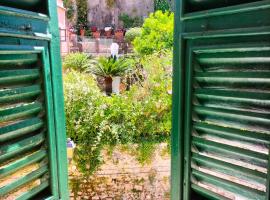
{"points": [[130, 22], [109, 67], [157, 33], [95, 120], [132, 33], [76, 61], [163, 5]]}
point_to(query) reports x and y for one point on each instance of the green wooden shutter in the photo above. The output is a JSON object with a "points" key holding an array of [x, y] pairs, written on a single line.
{"points": [[27, 136], [33, 161], [221, 113]]}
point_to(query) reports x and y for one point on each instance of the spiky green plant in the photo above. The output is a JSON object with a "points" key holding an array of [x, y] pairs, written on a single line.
{"points": [[110, 67]]}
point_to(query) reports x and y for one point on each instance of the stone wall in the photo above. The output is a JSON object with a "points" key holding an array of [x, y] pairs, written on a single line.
{"points": [[122, 177], [101, 15]]}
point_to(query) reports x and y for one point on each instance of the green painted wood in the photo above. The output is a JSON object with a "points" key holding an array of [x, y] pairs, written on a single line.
{"points": [[29, 194], [18, 94], [207, 194], [230, 167], [20, 129], [18, 59], [177, 152], [20, 111], [222, 67], [232, 133], [30, 71], [11, 150], [230, 186], [51, 139], [25, 161], [23, 13], [18, 76], [58, 99], [21, 181], [230, 150]]}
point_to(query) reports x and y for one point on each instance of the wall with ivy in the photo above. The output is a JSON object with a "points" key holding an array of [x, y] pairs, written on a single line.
{"points": [[106, 12]]}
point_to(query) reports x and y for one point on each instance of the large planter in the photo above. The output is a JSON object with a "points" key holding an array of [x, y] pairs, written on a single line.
{"points": [[108, 85], [82, 32], [108, 33], [116, 81], [96, 34]]}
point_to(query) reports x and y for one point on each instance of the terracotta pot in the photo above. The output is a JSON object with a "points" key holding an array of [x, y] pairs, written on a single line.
{"points": [[94, 29], [108, 85], [96, 34], [119, 35], [82, 32], [108, 34]]}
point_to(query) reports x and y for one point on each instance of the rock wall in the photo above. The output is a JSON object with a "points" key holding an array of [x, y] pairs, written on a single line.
{"points": [[102, 14], [122, 177]]}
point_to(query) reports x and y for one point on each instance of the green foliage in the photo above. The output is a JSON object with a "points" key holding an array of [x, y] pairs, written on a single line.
{"points": [[132, 33], [76, 61], [145, 152], [88, 33], [130, 22], [95, 120], [82, 11], [157, 33], [163, 5], [69, 5], [109, 67]]}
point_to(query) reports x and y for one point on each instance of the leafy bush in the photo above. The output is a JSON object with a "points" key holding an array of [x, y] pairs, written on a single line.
{"points": [[95, 120], [130, 22], [77, 61], [163, 5], [109, 67], [132, 33], [157, 33], [82, 12]]}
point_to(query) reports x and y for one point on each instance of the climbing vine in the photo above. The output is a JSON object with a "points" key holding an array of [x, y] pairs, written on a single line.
{"points": [[163, 5], [69, 5], [82, 11]]}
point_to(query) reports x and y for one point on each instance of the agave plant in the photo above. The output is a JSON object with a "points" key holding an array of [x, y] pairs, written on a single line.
{"points": [[110, 67]]}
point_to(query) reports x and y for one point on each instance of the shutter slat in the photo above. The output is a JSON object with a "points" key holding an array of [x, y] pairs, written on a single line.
{"points": [[29, 194], [24, 180], [255, 57], [237, 189], [261, 99], [208, 194], [231, 133], [228, 150], [222, 166], [19, 129], [233, 115], [18, 76], [18, 59], [10, 150], [21, 163], [20, 111], [19, 94]]}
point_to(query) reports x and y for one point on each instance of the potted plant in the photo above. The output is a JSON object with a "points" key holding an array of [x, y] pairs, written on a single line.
{"points": [[108, 32], [94, 28], [119, 34], [82, 32], [96, 34], [111, 69]]}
